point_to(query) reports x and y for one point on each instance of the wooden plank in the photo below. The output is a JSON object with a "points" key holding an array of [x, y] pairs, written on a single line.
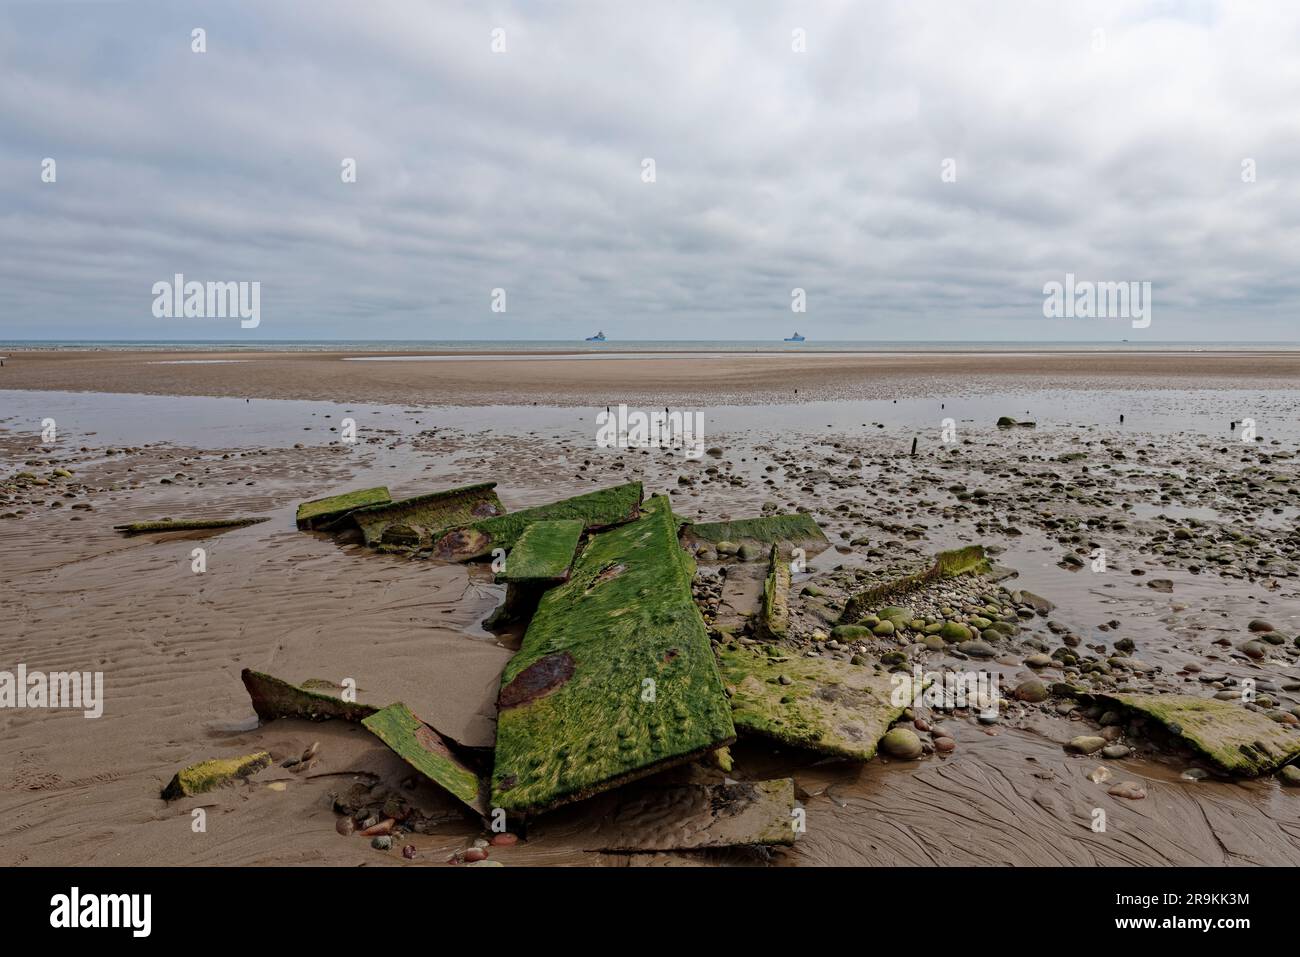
{"points": [[615, 678], [428, 752], [322, 511], [596, 510], [544, 553]]}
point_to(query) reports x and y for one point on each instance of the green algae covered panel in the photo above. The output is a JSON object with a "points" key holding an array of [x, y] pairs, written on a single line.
{"points": [[831, 707], [275, 698], [429, 515], [774, 620], [797, 529], [1240, 741], [322, 511], [969, 560], [428, 752], [615, 678], [544, 552], [599, 509], [186, 525], [206, 775]]}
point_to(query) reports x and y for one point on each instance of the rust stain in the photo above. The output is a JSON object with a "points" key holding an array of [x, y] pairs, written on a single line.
{"points": [[485, 510], [537, 680], [430, 740], [460, 541]]}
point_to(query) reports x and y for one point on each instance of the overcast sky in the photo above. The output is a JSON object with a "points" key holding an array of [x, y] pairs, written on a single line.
{"points": [[1114, 155]]}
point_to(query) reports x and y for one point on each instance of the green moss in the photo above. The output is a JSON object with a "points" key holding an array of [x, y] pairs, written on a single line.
{"points": [[774, 618], [544, 552], [274, 698], [827, 706], [797, 529], [186, 524], [1237, 740], [970, 560], [428, 752], [599, 509], [322, 511], [615, 677], [433, 513], [198, 778]]}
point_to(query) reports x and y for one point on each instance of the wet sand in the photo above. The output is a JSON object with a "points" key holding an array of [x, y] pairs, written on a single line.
{"points": [[172, 642], [703, 380]]}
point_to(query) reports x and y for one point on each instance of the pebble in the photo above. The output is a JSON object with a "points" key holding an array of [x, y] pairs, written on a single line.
{"points": [[475, 854], [1290, 776], [345, 826], [381, 843], [408, 852], [945, 745], [1085, 744], [901, 743], [1130, 790], [1116, 751], [1195, 774], [1032, 691], [505, 840], [1099, 775]]}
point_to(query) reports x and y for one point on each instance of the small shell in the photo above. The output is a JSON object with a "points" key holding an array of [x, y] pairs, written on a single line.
{"points": [[345, 826]]}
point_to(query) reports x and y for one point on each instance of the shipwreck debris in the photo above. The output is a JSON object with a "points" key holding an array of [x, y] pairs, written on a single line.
{"points": [[596, 510], [323, 511], [797, 530], [774, 620], [417, 521], [433, 755], [206, 775], [275, 698], [186, 525], [615, 678], [1237, 740], [820, 704], [970, 560], [544, 553]]}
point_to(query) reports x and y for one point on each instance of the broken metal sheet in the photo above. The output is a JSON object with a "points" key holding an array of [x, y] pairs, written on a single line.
{"points": [[694, 817], [828, 706], [186, 525], [599, 509], [422, 518], [422, 747], [615, 678], [774, 621], [970, 560], [206, 775], [797, 530], [544, 553], [274, 698], [1236, 739], [323, 511]]}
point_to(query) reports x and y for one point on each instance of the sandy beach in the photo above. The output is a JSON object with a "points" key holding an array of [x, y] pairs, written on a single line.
{"points": [[1172, 494], [700, 380]]}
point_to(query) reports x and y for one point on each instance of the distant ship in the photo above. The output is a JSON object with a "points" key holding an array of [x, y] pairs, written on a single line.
{"points": [[794, 338], [598, 337]]}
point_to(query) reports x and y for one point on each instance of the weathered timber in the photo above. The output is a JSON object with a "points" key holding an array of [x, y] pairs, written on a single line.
{"points": [[323, 511], [596, 510], [797, 530], [186, 525], [774, 620], [422, 518], [1238, 740], [206, 775], [827, 706], [274, 698], [970, 560], [544, 553], [614, 679], [434, 756]]}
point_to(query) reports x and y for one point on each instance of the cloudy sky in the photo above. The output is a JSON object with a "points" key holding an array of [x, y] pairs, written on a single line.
{"points": [[1104, 139]]}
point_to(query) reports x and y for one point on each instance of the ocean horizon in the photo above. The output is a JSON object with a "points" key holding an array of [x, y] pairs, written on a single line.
{"points": [[647, 346]]}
